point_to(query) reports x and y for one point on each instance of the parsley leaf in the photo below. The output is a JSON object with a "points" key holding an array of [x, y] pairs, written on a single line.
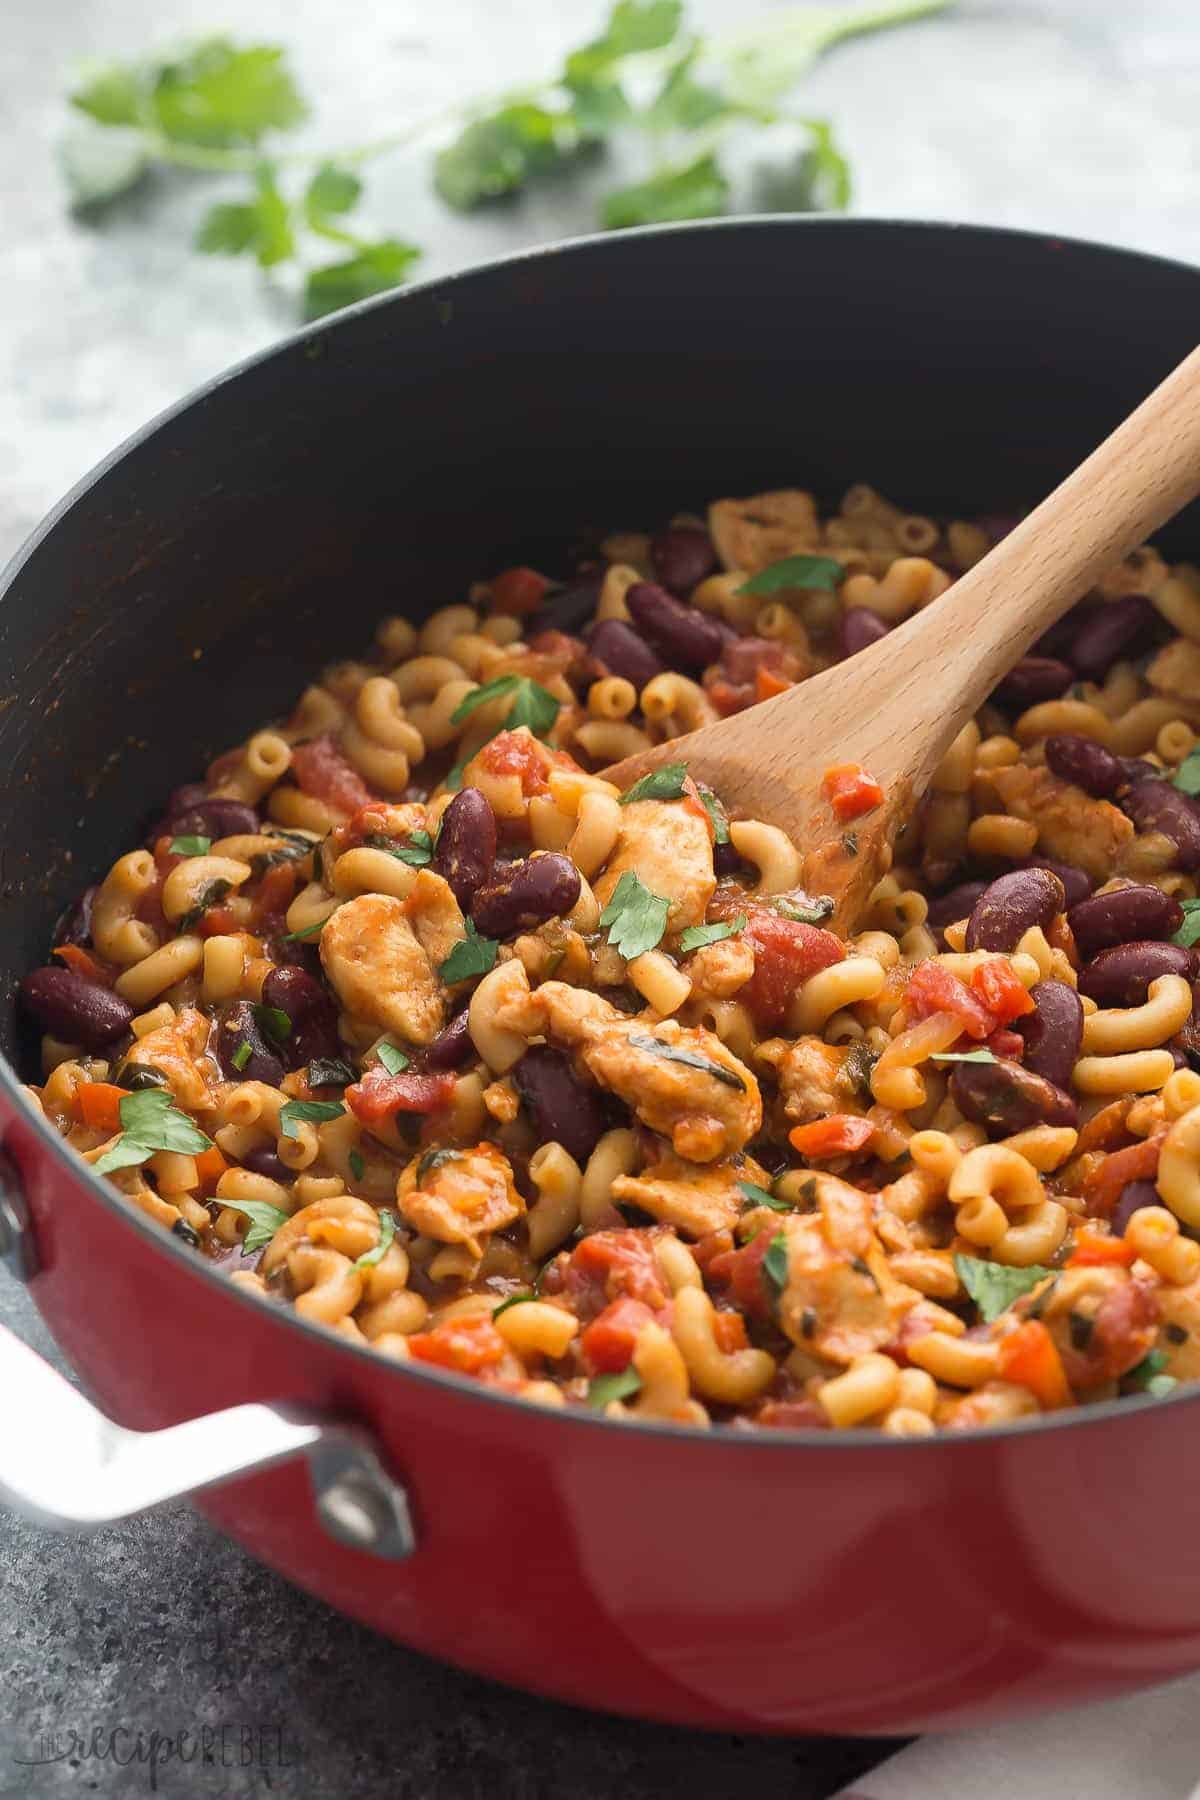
{"points": [[635, 917], [264, 1218], [111, 94], [471, 956], [190, 846], [242, 1055], [274, 1023], [683, 103], [497, 155], [150, 1122], [532, 704], [698, 190], [329, 1071], [1187, 775], [315, 1111], [393, 1060], [417, 852], [373, 269], [993, 1287], [697, 936], [331, 191], [261, 227], [1149, 1377], [643, 1040], [795, 572], [513, 1300], [963, 1056], [358, 1167], [217, 95], [719, 817], [760, 1196], [775, 1262], [603, 1389], [819, 909], [1189, 932], [311, 931], [387, 1231], [660, 784]]}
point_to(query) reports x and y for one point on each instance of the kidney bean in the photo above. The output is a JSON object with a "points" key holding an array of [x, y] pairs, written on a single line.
{"points": [[1089, 765], [562, 1110], [1136, 768], [1109, 633], [1005, 1097], [619, 649], [264, 1161], [1077, 883], [568, 609], [312, 1012], [1034, 679], [517, 896], [238, 1027], [212, 816], [1053, 1031], [452, 1046], [1123, 916], [1121, 975], [1009, 906], [75, 925], [1133, 1196], [686, 637], [858, 628], [1160, 806], [726, 860], [682, 556], [957, 904], [74, 1009], [466, 847], [1058, 640]]}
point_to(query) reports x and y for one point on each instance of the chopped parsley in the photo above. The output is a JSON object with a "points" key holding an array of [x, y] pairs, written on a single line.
{"points": [[795, 572], [1189, 932], [603, 1389], [814, 913], [417, 851], [696, 937], [718, 815], [513, 1300], [1148, 1376], [641, 1040], [264, 1218], [967, 1056], [150, 1122], [274, 1023], [775, 1262], [471, 956], [387, 1231], [1187, 775], [393, 1060], [311, 931], [636, 918], [358, 1167], [316, 1112], [191, 846], [760, 1196], [993, 1287], [329, 1071], [242, 1055], [533, 705], [661, 784]]}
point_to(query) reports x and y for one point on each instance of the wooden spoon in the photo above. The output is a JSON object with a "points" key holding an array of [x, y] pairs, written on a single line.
{"points": [[896, 707]]}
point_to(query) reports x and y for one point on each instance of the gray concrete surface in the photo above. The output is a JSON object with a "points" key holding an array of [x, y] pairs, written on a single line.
{"points": [[1072, 115]]}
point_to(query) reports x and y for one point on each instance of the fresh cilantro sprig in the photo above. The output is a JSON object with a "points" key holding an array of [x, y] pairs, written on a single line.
{"points": [[795, 572], [471, 956], [150, 1122], [994, 1286], [660, 784], [636, 918], [1189, 932], [222, 108], [264, 1218], [533, 705], [697, 936]]}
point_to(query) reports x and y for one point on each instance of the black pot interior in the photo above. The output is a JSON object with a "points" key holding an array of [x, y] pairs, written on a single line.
{"points": [[381, 463]]}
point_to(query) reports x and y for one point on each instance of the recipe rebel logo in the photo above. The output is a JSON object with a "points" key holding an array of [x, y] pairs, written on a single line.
{"points": [[206, 1748]]}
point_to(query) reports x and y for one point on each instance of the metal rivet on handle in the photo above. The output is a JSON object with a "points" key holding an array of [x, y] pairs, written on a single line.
{"points": [[359, 1504], [17, 1251]]}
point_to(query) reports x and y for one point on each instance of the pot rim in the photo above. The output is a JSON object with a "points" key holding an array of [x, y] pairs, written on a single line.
{"points": [[73, 1168]]}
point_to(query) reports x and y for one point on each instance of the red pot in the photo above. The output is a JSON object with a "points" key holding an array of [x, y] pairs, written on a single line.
{"points": [[776, 1581]]}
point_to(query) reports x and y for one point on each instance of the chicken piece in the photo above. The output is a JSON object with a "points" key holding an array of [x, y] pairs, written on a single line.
{"points": [[810, 1076], [1103, 1321], [763, 528], [173, 1050], [683, 1083], [1179, 1332], [458, 1196], [995, 1403], [1072, 827], [379, 970], [435, 916], [695, 1199], [840, 1300], [717, 971], [668, 846], [1176, 670]]}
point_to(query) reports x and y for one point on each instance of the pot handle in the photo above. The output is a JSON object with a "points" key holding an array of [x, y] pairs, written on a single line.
{"points": [[64, 1464]]}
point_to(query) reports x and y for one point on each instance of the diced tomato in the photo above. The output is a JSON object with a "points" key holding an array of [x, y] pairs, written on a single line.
{"points": [[608, 1264], [275, 892], [609, 1341], [322, 771], [850, 790], [217, 921], [210, 1166], [1001, 990], [380, 1096], [1029, 1357], [786, 953], [99, 1104], [833, 1136], [1096, 1250], [516, 753], [767, 684], [933, 989], [729, 1330], [1125, 1330], [741, 1271], [1009, 1045], [518, 590], [1101, 1187], [727, 698], [468, 1345], [84, 963]]}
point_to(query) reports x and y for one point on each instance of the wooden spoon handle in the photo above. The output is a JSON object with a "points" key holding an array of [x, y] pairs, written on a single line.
{"points": [[1131, 484]]}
